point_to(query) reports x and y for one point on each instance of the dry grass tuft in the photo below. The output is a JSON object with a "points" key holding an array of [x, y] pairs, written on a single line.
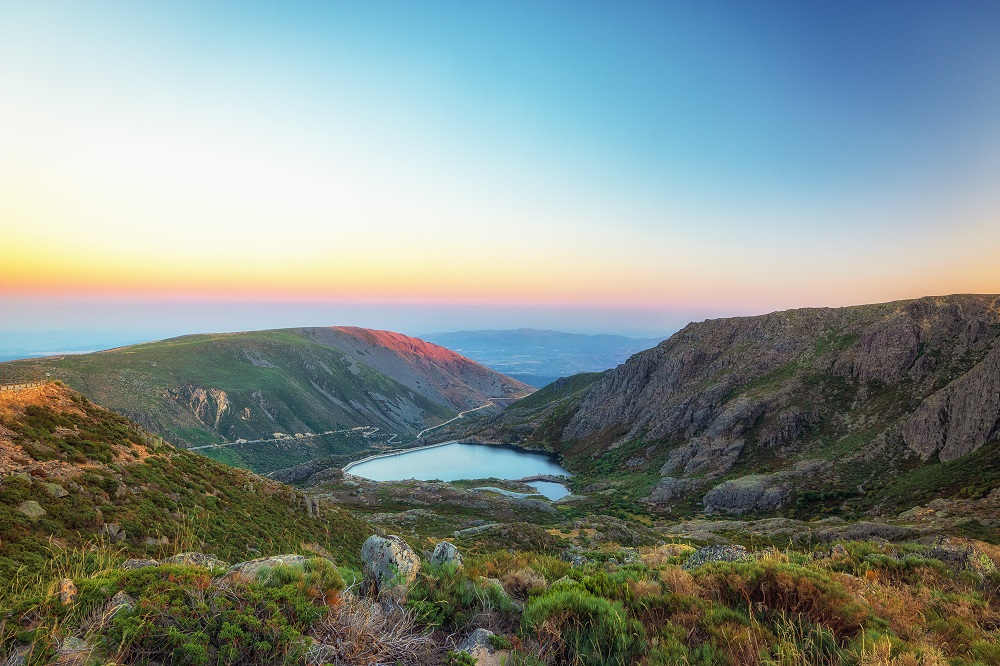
{"points": [[361, 632], [660, 555], [880, 653], [680, 581], [522, 582], [644, 588]]}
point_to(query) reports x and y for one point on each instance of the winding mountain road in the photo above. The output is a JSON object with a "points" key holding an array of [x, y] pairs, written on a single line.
{"points": [[368, 430]]}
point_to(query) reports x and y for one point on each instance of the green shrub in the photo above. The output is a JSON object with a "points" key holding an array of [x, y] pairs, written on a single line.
{"points": [[787, 589], [454, 658], [580, 628], [183, 616], [444, 596], [986, 652]]}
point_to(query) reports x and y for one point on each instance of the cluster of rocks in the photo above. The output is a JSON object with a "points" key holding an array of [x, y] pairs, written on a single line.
{"points": [[962, 557], [717, 554], [113, 532]]}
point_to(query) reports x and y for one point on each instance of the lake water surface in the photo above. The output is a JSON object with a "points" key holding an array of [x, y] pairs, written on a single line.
{"points": [[457, 460]]}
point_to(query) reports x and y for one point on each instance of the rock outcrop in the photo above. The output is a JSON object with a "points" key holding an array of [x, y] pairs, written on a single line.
{"points": [[756, 492], [446, 552], [962, 416], [759, 492], [716, 554], [670, 489], [390, 566]]}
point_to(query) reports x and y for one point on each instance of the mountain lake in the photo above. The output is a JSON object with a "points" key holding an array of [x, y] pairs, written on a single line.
{"points": [[458, 460]]}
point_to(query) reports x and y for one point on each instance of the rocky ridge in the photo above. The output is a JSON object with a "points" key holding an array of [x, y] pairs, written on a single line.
{"points": [[746, 414]]}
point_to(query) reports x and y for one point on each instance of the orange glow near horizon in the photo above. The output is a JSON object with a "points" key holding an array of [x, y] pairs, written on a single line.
{"points": [[166, 152]]}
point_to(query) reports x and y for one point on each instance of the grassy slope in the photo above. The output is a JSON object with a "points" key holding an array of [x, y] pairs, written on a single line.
{"points": [[117, 473]]}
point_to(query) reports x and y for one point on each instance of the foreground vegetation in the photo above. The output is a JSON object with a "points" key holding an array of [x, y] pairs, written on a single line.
{"points": [[85, 493], [859, 603]]}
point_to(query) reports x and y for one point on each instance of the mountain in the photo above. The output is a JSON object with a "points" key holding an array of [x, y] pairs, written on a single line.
{"points": [[540, 357], [339, 389], [846, 411]]}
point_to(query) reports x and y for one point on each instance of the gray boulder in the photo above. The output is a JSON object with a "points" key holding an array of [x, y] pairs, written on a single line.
{"points": [[670, 490], [390, 566], [254, 568], [54, 490], [121, 601], [756, 492], [446, 552], [479, 646], [716, 554], [196, 560], [139, 563], [963, 558], [30, 509]]}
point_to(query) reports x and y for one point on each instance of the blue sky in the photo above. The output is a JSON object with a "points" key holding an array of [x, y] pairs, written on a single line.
{"points": [[555, 162]]}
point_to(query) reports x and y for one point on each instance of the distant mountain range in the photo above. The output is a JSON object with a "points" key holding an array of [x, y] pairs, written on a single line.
{"points": [[540, 357], [201, 390], [855, 410]]}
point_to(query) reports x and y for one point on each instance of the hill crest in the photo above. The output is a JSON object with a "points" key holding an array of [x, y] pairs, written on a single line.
{"points": [[277, 398]]}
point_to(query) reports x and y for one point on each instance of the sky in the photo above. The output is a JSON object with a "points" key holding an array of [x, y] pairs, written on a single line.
{"points": [[618, 167]]}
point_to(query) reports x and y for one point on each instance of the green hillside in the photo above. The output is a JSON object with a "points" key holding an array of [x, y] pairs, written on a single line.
{"points": [[71, 469], [200, 390]]}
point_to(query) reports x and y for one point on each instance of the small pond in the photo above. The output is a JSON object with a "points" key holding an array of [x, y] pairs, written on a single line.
{"points": [[458, 460], [550, 489]]}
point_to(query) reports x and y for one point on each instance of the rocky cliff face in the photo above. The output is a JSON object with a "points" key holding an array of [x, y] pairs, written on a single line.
{"points": [[962, 416], [867, 388]]}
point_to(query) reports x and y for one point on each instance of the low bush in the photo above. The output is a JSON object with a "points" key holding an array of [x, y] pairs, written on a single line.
{"points": [[184, 616], [575, 627], [785, 588], [444, 596]]}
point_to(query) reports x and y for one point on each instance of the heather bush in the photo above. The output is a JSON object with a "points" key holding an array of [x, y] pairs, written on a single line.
{"points": [[575, 627], [444, 596], [784, 588]]}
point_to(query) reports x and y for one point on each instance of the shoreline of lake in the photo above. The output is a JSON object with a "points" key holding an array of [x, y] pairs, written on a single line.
{"points": [[465, 461], [390, 454]]}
